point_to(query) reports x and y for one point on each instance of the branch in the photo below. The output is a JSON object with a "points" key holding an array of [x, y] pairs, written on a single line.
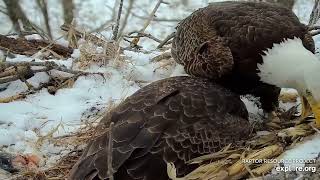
{"points": [[109, 22], [139, 35], [165, 55], [125, 20], [116, 28], [4, 12], [68, 8], [23, 70], [81, 34], [156, 19], [314, 33], [166, 40], [315, 14], [135, 41], [31, 47], [146, 24], [44, 9]]}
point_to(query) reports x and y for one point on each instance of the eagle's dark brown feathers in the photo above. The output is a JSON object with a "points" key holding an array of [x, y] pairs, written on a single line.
{"points": [[233, 34], [225, 40], [171, 120]]}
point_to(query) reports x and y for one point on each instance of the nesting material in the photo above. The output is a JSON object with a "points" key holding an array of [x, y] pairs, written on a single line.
{"points": [[246, 161], [255, 159]]}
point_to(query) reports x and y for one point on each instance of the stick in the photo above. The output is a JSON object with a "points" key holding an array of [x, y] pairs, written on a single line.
{"points": [[135, 41], [166, 40], [156, 19], [165, 55], [139, 35], [116, 28], [126, 17], [110, 144], [9, 76], [81, 34], [146, 24], [314, 33], [31, 47], [315, 14], [44, 8]]}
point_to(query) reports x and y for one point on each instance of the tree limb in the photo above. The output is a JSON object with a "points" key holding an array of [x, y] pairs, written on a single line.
{"points": [[166, 40], [315, 14], [116, 28], [30, 47], [126, 17], [44, 9]]}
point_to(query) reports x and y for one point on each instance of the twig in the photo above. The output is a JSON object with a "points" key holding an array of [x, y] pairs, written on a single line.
{"points": [[110, 147], [23, 33], [81, 34], [146, 24], [166, 40], [39, 31], [12, 98], [126, 17], [313, 28], [9, 79], [165, 55], [314, 128], [135, 41], [139, 35], [116, 28], [32, 46], [156, 19], [108, 22], [314, 33], [44, 9], [4, 12], [315, 14], [14, 75]]}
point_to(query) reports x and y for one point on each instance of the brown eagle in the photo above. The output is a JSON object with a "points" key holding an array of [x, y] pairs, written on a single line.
{"points": [[251, 48], [168, 121]]}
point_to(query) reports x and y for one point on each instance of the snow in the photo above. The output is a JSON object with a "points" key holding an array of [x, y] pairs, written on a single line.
{"points": [[24, 122], [308, 150]]}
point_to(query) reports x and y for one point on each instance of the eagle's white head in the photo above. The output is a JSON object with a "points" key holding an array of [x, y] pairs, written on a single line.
{"points": [[290, 65]]}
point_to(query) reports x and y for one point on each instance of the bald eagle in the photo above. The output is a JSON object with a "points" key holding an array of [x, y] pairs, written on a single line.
{"points": [[171, 120], [251, 48]]}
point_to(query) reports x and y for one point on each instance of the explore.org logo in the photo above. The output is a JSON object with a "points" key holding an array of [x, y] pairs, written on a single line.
{"points": [[285, 165]]}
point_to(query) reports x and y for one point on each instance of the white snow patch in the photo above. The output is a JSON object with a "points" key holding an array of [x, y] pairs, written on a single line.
{"points": [[307, 150]]}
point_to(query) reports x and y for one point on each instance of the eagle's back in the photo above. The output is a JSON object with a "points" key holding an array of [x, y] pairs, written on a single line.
{"points": [[171, 120]]}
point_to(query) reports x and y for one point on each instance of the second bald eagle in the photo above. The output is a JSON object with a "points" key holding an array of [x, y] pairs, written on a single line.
{"points": [[251, 48]]}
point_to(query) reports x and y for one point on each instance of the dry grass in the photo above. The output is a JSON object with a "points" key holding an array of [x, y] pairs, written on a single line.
{"points": [[90, 54], [236, 164], [288, 97], [61, 169]]}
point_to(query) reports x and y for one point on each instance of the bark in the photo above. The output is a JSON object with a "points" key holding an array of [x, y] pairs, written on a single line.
{"points": [[16, 14], [30, 47], [68, 8], [44, 9]]}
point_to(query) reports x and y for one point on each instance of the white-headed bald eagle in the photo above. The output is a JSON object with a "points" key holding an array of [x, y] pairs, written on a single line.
{"points": [[251, 48], [168, 121]]}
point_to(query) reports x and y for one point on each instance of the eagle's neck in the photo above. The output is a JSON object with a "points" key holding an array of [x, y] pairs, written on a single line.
{"points": [[288, 64]]}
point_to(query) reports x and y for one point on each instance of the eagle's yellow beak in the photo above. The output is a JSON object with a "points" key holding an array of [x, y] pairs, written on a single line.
{"points": [[310, 104]]}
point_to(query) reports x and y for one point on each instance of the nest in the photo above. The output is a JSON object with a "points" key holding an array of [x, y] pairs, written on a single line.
{"points": [[61, 169], [255, 159], [90, 54]]}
